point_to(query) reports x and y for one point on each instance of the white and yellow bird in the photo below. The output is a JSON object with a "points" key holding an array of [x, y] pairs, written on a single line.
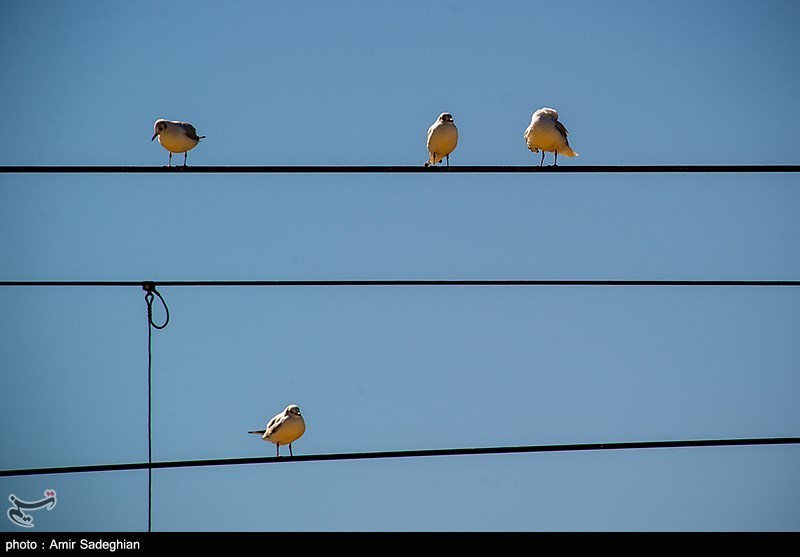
{"points": [[284, 429], [442, 139], [546, 133], [176, 137]]}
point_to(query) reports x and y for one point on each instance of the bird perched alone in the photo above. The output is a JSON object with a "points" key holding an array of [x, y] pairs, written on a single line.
{"points": [[442, 139], [545, 132], [284, 429], [176, 137]]}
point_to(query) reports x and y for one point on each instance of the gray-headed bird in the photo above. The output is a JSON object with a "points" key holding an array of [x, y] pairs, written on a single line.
{"points": [[442, 139], [284, 429], [546, 133], [176, 137]]}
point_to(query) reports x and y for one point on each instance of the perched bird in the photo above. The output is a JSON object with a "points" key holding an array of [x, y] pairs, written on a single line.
{"points": [[284, 429], [442, 139], [176, 137], [548, 134]]}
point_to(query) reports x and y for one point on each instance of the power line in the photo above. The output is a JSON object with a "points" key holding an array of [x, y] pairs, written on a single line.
{"points": [[344, 169], [405, 282], [406, 454]]}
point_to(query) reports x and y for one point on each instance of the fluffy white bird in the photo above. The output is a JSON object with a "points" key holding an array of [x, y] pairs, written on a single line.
{"points": [[442, 139], [284, 429], [545, 132], [176, 137]]}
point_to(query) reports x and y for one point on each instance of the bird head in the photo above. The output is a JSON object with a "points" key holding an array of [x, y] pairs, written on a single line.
{"points": [[293, 409], [445, 117], [547, 113], [159, 127]]}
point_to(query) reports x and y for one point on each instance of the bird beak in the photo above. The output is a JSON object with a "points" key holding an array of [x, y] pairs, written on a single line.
{"points": [[154, 136]]}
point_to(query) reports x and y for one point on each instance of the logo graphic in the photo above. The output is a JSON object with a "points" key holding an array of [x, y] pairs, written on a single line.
{"points": [[16, 514]]}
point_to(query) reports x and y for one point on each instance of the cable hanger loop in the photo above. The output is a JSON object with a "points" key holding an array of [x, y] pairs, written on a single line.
{"points": [[150, 289]]}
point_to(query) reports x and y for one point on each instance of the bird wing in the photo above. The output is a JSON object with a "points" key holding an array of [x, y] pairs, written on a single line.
{"points": [[526, 136], [191, 132], [430, 131], [560, 127], [275, 423]]}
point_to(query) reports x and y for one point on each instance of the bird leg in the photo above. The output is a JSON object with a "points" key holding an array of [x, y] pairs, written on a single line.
{"points": [[277, 450], [169, 161], [448, 161], [541, 162], [186, 154], [555, 159], [290, 450]]}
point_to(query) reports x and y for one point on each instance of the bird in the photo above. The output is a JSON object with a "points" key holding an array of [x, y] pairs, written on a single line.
{"points": [[176, 137], [442, 139], [545, 132], [284, 429]]}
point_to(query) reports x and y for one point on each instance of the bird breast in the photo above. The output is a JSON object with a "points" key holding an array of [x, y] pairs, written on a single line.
{"points": [[175, 140], [443, 139], [543, 134], [289, 431]]}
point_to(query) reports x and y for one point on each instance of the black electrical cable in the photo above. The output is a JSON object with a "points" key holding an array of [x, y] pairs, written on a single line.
{"points": [[406, 454], [417, 169], [409, 282]]}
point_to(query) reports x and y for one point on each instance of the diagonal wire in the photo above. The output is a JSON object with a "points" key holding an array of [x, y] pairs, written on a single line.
{"points": [[573, 447]]}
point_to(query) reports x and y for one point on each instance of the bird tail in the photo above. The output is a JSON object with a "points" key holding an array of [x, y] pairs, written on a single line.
{"points": [[261, 432], [567, 152]]}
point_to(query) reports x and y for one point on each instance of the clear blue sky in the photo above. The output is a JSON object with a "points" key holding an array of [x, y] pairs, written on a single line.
{"points": [[375, 369]]}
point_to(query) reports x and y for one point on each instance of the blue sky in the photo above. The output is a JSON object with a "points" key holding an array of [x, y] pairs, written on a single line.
{"points": [[374, 369]]}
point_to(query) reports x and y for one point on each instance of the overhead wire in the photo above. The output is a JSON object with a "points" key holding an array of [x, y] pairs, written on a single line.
{"points": [[469, 451], [405, 282], [398, 169]]}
